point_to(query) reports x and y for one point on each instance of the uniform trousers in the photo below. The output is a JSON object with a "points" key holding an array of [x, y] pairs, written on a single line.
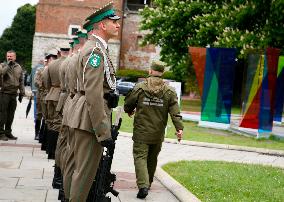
{"points": [[87, 153], [61, 147], [69, 163], [8, 104], [38, 107], [145, 161]]}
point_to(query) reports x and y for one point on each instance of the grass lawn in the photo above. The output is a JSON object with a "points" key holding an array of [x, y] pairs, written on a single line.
{"points": [[223, 181], [195, 106], [194, 133]]}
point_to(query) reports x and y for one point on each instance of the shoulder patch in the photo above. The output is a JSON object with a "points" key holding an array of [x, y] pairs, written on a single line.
{"points": [[95, 60]]}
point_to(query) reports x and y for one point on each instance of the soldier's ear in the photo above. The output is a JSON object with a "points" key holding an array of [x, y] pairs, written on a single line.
{"points": [[102, 25]]}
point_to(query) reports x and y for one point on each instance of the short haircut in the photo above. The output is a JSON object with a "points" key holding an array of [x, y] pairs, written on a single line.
{"points": [[11, 51], [96, 26]]}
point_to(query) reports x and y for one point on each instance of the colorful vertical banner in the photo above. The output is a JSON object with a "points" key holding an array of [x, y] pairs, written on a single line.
{"points": [[279, 101], [251, 101], [215, 68], [198, 57], [259, 101]]}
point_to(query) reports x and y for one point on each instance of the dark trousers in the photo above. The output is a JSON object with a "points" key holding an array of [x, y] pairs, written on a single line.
{"points": [[8, 104], [145, 161]]}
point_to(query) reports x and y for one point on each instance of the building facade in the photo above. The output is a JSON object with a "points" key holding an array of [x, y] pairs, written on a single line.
{"points": [[58, 20]]}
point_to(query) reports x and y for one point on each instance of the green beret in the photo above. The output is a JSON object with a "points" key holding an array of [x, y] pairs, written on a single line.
{"points": [[158, 66]]}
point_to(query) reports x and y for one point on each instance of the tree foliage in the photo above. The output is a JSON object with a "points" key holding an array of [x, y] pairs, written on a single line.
{"points": [[19, 36], [244, 24]]}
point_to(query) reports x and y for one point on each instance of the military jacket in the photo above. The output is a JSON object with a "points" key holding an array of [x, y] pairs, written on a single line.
{"points": [[153, 100], [11, 78], [45, 83], [91, 111], [63, 84], [38, 81], [53, 79], [71, 75]]}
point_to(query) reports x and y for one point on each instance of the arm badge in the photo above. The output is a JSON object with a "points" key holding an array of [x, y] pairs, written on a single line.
{"points": [[95, 60]]}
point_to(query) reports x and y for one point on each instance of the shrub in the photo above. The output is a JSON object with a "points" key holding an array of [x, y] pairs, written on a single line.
{"points": [[132, 74]]}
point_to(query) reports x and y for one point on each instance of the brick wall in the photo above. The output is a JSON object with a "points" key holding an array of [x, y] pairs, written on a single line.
{"points": [[53, 18], [132, 55], [56, 16]]}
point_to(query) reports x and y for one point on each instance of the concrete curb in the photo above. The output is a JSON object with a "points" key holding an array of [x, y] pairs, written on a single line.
{"points": [[219, 146], [181, 193], [228, 147]]}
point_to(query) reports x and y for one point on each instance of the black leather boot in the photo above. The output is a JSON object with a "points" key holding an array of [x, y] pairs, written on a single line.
{"points": [[61, 195], [41, 131], [57, 178], [37, 129], [52, 142], [143, 192], [44, 138]]}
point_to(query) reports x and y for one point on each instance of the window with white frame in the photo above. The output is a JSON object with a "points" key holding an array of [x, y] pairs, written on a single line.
{"points": [[73, 29], [135, 5]]}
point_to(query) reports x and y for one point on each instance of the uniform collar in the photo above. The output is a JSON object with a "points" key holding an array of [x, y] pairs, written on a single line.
{"points": [[101, 40]]}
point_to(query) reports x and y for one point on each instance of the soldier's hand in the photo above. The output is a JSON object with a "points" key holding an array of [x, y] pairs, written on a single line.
{"points": [[179, 134], [20, 98], [107, 143]]}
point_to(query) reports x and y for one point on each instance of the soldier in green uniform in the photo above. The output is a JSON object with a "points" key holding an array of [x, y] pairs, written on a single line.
{"points": [[52, 99], [91, 118], [11, 80], [151, 101], [45, 87], [74, 95]]}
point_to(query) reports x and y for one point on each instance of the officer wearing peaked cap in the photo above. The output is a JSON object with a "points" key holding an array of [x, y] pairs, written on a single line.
{"points": [[91, 120]]}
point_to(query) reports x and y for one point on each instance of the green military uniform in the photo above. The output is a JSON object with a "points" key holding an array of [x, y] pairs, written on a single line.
{"points": [[11, 80], [36, 93], [40, 89], [91, 117], [91, 120], [153, 99], [74, 95], [52, 99], [62, 139]]}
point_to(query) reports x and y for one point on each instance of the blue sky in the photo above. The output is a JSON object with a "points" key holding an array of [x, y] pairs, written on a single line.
{"points": [[8, 10]]}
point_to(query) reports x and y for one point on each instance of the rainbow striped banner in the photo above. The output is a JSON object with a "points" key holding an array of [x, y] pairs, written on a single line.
{"points": [[259, 100], [279, 91]]}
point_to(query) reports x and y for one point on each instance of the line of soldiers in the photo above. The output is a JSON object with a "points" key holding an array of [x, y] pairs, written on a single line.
{"points": [[76, 90]]}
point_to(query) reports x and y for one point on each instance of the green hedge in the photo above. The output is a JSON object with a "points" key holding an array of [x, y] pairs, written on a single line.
{"points": [[131, 74]]}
